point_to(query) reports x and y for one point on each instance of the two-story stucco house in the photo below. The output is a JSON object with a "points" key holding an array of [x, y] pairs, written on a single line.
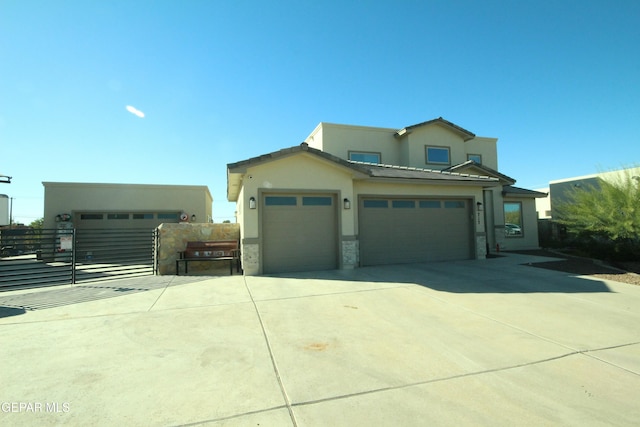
{"points": [[352, 196]]}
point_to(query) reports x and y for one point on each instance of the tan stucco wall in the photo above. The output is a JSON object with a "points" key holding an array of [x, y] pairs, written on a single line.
{"points": [[174, 237], [486, 147], [61, 197], [408, 150], [339, 140], [543, 204], [299, 172], [438, 136]]}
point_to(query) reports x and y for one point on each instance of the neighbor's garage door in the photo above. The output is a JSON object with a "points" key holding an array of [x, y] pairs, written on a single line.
{"points": [[394, 231], [299, 232]]}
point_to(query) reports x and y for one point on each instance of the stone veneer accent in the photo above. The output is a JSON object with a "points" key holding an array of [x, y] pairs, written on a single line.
{"points": [[481, 247], [251, 258], [174, 237], [350, 254]]}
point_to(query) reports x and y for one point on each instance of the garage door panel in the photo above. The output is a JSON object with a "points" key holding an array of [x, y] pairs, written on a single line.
{"points": [[402, 231], [299, 235]]}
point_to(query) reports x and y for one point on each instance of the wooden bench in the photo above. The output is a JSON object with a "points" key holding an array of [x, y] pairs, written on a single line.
{"points": [[219, 250]]}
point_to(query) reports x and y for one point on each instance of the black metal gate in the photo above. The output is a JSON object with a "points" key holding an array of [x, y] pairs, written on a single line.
{"points": [[107, 254], [32, 258]]}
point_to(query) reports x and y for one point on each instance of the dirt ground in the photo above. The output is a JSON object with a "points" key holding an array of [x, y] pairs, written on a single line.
{"points": [[624, 272]]}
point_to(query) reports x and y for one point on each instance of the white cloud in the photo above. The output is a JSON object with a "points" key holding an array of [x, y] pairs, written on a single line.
{"points": [[135, 111]]}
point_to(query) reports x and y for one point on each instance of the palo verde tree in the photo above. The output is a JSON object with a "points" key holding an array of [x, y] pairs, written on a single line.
{"points": [[605, 217]]}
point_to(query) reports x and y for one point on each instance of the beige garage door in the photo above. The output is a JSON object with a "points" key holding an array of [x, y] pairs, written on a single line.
{"points": [[299, 232], [395, 231]]}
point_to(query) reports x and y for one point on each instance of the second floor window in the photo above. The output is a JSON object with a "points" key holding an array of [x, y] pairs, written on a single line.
{"points": [[364, 156], [438, 155], [475, 157]]}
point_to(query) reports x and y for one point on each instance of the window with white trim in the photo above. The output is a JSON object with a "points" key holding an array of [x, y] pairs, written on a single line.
{"points": [[438, 155], [365, 156], [513, 219]]}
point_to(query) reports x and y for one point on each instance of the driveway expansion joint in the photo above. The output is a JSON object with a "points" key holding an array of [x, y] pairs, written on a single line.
{"points": [[285, 396], [465, 375]]}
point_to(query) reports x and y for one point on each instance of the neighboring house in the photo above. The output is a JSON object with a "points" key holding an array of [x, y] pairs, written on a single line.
{"points": [[559, 189], [89, 205], [4, 210], [354, 196]]}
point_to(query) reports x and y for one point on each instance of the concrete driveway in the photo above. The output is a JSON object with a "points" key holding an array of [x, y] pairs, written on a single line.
{"points": [[490, 342]]}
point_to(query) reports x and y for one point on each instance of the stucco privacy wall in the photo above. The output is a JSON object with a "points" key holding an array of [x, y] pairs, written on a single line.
{"points": [[173, 238]]}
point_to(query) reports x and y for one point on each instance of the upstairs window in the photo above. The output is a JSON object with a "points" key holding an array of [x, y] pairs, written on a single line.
{"points": [[438, 155], [364, 156], [475, 157]]}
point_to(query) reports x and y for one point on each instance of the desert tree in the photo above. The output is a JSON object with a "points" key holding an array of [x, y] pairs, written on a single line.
{"points": [[605, 214]]}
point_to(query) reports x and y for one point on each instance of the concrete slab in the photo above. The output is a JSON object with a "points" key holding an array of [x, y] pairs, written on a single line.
{"points": [[490, 342], [207, 292], [354, 342], [571, 391], [314, 284], [164, 367]]}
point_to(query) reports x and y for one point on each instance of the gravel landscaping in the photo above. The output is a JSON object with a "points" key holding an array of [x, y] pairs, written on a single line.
{"points": [[628, 272]]}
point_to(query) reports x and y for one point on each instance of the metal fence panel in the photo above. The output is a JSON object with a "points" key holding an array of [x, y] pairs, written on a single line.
{"points": [[31, 258], [109, 254]]}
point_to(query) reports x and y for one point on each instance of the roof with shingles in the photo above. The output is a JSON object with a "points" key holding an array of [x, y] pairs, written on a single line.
{"points": [[364, 169], [471, 164], [393, 171], [370, 169]]}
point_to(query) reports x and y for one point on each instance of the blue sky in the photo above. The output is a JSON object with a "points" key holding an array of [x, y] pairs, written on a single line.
{"points": [[557, 82]]}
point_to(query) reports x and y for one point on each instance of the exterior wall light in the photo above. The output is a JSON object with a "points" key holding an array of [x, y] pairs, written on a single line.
{"points": [[252, 203], [346, 203], [479, 205], [193, 218]]}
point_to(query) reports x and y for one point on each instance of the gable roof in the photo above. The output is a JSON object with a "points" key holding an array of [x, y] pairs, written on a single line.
{"points": [[241, 166], [362, 169], [465, 134], [470, 164]]}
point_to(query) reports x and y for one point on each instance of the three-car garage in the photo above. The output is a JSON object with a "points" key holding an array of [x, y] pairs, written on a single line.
{"points": [[300, 231]]}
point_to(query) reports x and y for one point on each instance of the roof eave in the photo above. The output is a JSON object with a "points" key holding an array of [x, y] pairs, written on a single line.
{"points": [[466, 135], [522, 192]]}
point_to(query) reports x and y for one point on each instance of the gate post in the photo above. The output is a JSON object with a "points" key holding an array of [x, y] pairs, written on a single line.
{"points": [[73, 257], [156, 248]]}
